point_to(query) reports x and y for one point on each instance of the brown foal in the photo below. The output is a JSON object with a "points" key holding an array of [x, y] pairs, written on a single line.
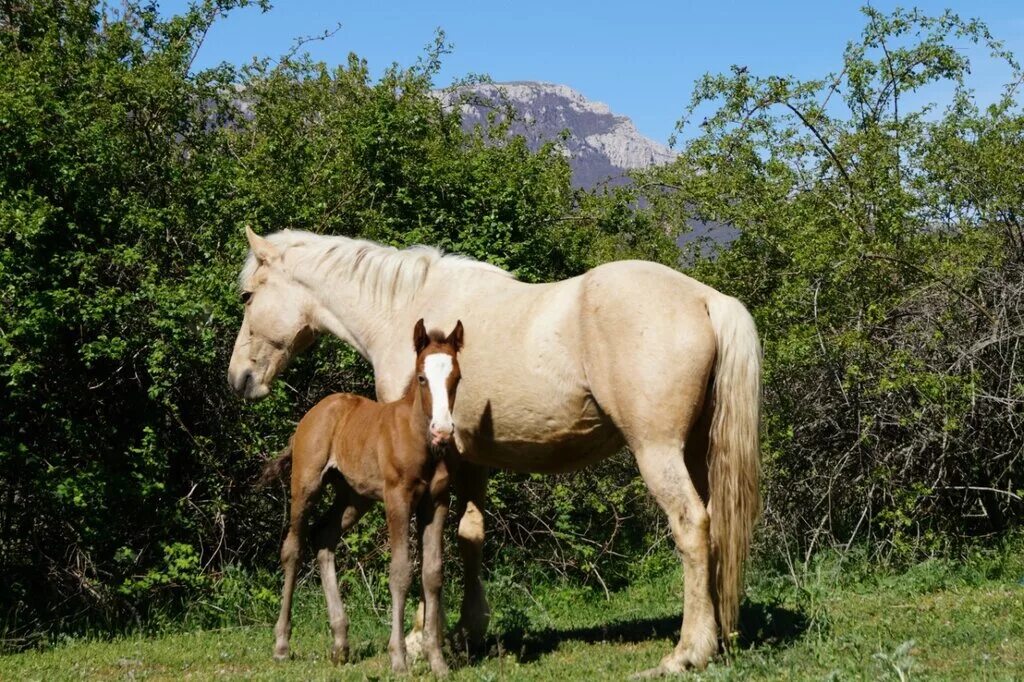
{"points": [[398, 453]]}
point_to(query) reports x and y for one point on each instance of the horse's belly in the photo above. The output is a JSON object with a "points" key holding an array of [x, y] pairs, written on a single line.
{"points": [[540, 436], [558, 454]]}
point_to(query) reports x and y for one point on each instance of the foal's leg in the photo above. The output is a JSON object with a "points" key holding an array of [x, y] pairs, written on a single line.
{"points": [[291, 550], [398, 503], [430, 517], [344, 513], [470, 485]]}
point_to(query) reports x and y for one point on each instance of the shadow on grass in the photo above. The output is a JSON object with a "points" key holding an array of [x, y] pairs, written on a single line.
{"points": [[760, 625]]}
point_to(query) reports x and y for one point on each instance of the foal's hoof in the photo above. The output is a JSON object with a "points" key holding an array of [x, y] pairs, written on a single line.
{"points": [[281, 654]]}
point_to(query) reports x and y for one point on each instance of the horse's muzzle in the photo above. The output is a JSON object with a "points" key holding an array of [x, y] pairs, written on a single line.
{"points": [[244, 384]]}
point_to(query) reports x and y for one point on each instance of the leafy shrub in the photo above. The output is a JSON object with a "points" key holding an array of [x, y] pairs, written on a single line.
{"points": [[126, 466], [880, 248], [880, 251]]}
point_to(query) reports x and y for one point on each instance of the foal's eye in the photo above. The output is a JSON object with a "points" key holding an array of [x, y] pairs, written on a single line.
{"points": [[246, 295], [422, 379]]}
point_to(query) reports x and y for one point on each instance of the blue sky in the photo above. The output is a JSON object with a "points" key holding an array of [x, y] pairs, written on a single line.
{"points": [[641, 58]]}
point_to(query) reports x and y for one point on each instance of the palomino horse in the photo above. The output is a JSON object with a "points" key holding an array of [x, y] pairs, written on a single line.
{"points": [[556, 376], [396, 452]]}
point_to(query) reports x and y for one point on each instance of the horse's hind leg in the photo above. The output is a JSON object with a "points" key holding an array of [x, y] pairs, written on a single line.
{"points": [[665, 473], [648, 367], [343, 514]]}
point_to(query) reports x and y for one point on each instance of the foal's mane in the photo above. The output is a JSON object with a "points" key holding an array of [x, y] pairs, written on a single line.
{"points": [[383, 272]]}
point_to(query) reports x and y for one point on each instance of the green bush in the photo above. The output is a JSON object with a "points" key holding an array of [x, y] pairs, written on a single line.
{"points": [[126, 466], [880, 249]]}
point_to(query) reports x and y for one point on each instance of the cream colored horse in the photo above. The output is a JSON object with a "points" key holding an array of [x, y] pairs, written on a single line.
{"points": [[555, 377]]}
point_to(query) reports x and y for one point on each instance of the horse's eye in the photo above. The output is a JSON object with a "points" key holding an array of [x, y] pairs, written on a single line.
{"points": [[246, 295], [422, 379]]}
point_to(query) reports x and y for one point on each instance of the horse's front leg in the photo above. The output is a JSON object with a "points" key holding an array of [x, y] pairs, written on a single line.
{"points": [[431, 515], [470, 484], [398, 502]]}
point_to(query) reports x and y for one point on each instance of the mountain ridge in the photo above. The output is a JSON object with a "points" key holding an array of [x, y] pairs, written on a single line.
{"points": [[601, 146]]}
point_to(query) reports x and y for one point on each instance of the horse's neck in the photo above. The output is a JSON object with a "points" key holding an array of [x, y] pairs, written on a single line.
{"points": [[377, 321], [348, 310]]}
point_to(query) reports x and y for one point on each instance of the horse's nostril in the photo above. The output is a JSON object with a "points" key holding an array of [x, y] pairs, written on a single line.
{"points": [[240, 382]]}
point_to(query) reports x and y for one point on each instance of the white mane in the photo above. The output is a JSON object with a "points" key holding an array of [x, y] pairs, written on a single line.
{"points": [[383, 272]]}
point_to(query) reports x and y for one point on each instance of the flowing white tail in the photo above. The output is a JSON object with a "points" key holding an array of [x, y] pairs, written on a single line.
{"points": [[735, 462]]}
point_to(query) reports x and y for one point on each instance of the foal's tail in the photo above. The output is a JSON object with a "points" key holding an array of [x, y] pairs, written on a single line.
{"points": [[734, 456], [277, 468]]}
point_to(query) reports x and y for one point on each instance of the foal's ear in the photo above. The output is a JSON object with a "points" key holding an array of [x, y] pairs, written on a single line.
{"points": [[420, 340], [261, 248], [455, 338]]}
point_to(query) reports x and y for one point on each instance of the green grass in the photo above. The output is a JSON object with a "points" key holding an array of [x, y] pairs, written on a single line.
{"points": [[838, 620]]}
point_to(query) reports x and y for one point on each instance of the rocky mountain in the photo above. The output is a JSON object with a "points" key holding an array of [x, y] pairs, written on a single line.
{"points": [[600, 146]]}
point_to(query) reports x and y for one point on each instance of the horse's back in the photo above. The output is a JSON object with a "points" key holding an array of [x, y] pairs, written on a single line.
{"points": [[631, 277]]}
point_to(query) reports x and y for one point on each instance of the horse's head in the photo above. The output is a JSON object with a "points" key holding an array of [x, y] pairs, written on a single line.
{"points": [[437, 371], [277, 323]]}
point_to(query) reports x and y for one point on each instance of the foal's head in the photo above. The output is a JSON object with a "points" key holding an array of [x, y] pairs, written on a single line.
{"points": [[437, 372]]}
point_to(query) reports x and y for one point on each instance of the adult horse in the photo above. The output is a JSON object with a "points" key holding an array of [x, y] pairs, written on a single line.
{"points": [[555, 377]]}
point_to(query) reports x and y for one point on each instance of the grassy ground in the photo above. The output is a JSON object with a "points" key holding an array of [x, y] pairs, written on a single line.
{"points": [[838, 620]]}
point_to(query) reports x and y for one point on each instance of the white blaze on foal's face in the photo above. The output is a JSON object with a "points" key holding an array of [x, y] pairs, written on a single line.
{"points": [[437, 369]]}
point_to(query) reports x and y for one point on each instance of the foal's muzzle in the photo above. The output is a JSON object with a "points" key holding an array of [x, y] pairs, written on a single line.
{"points": [[441, 435]]}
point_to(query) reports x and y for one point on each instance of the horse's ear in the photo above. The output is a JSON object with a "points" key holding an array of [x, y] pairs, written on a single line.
{"points": [[455, 338], [261, 248], [420, 339]]}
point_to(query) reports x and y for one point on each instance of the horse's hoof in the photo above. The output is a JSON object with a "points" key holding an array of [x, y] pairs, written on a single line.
{"points": [[339, 655], [472, 632], [281, 655], [439, 668], [673, 664], [691, 658], [650, 673]]}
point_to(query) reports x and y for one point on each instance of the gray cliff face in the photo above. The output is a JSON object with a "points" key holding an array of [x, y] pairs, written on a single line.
{"points": [[601, 146]]}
